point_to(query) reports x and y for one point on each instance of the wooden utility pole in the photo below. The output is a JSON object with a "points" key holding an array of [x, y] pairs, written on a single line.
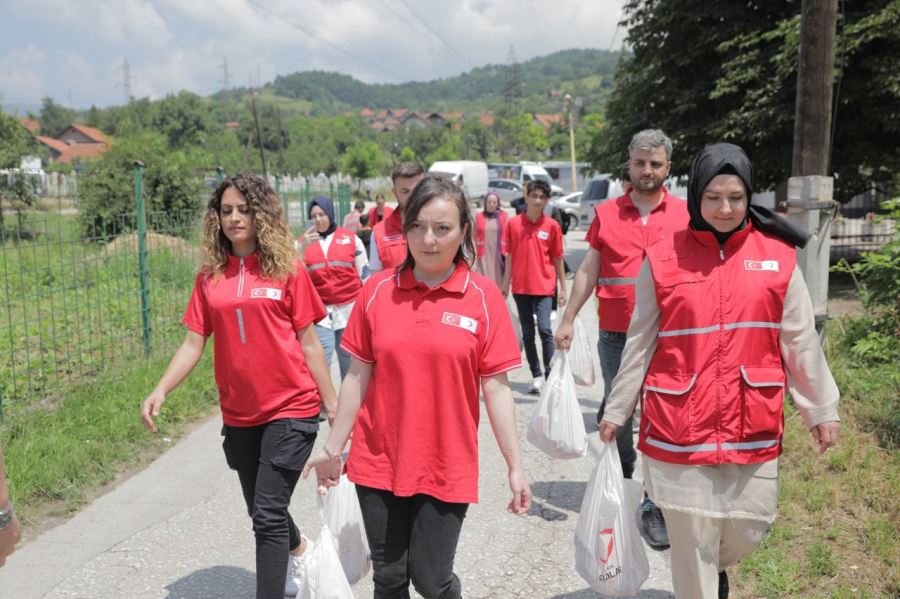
{"points": [[815, 79]]}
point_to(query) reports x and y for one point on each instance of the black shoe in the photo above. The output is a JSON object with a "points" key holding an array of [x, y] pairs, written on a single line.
{"points": [[723, 585], [654, 525], [628, 470], [322, 417]]}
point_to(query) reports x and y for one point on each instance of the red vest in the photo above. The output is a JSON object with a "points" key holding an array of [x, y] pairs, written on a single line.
{"points": [[373, 215], [714, 390], [390, 240], [480, 222], [624, 239], [335, 276]]}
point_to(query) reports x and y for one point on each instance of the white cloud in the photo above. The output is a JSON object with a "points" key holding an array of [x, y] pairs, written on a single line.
{"points": [[135, 23], [20, 75], [177, 44]]}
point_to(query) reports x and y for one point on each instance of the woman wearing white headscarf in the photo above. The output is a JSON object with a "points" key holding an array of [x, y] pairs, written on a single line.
{"points": [[723, 326]]}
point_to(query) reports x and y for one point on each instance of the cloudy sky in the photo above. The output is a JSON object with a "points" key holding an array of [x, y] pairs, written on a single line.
{"points": [[74, 50]]}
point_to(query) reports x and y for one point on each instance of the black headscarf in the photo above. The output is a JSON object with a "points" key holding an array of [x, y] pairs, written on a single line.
{"points": [[729, 159], [326, 205]]}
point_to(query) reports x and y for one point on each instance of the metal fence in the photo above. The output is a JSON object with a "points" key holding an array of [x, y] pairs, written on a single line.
{"points": [[77, 301], [850, 237]]}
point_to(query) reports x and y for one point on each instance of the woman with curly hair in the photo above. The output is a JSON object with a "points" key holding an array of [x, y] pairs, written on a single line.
{"points": [[256, 300]]}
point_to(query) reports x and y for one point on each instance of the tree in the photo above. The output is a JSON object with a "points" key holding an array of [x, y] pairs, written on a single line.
{"points": [[520, 137], [184, 119], [171, 190], [16, 188], [726, 71], [55, 118], [364, 160]]}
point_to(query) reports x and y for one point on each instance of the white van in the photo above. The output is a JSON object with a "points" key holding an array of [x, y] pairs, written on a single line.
{"points": [[470, 174], [523, 172]]}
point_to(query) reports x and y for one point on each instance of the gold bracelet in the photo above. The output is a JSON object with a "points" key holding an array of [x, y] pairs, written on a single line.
{"points": [[330, 454]]}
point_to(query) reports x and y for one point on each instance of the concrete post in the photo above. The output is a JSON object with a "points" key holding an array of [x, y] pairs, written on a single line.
{"points": [[810, 206]]}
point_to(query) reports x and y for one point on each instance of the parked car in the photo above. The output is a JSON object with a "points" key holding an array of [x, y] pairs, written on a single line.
{"points": [[507, 189], [570, 205], [598, 190]]}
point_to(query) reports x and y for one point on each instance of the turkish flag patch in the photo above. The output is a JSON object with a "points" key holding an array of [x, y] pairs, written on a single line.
{"points": [[463, 322], [771, 265]]}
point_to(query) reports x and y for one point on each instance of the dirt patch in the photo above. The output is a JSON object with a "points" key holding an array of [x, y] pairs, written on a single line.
{"points": [[155, 242]]}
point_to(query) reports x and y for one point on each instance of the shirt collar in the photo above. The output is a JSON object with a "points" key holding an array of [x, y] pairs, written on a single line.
{"points": [[250, 261], [737, 238], [661, 206], [535, 223], [455, 283]]}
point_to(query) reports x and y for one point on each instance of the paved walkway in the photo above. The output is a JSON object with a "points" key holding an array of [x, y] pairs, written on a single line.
{"points": [[179, 530]]}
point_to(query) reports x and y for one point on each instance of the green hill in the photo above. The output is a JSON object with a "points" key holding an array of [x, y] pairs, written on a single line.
{"points": [[583, 72]]}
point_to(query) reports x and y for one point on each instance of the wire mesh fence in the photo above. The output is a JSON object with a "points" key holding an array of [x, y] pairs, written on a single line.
{"points": [[78, 298], [72, 297]]}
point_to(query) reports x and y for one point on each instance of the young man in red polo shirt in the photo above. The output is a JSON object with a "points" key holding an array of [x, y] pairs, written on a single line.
{"points": [[534, 268], [387, 248], [622, 230]]}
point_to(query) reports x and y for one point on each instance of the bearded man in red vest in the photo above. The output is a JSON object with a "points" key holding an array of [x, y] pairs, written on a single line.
{"points": [[622, 230]]}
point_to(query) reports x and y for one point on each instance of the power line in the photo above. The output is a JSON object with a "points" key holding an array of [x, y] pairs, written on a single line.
{"points": [[314, 36], [435, 34], [397, 14]]}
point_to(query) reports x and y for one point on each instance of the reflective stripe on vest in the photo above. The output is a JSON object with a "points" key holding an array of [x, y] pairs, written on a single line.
{"points": [[726, 327], [617, 281], [711, 446], [328, 264]]}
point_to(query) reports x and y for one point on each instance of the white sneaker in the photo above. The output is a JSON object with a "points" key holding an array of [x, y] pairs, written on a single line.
{"points": [[553, 315], [537, 385], [297, 569]]}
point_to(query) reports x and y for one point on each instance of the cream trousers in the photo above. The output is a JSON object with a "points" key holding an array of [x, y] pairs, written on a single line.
{"points": [[704, 546]]}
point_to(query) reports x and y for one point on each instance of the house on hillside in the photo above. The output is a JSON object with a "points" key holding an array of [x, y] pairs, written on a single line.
{"points": [[415, 120], [33, 126], [547, 120], [78, 143]]}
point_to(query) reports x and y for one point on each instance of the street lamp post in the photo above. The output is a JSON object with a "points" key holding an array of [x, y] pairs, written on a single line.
{"points": [[569, 106]]}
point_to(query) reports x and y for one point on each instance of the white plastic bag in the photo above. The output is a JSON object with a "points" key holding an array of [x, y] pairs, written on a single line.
{"points": [[324, 576], [557, 426], [344, 518], [609, 552], [581, 357]]}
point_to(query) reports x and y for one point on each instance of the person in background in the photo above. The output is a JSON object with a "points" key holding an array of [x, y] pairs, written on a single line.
{"points": [[723, 327], [351, 221], [388, 246], [337, 264], [10, 529], [365, 232], [534, 268], [622, 230], [379, 211], [490, 239], [424, 337], [253, 296]]}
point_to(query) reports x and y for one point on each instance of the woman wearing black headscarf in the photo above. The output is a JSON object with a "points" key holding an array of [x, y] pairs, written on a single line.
{"points": [[723, 326], [337, 264]]}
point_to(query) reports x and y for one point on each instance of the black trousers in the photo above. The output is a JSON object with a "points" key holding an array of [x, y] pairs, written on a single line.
{"points": [[268, 459], [412, 539]]}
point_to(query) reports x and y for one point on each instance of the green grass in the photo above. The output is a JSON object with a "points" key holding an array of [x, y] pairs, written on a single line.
{"points": [[56, 455], [838, 529], [71, 306]]}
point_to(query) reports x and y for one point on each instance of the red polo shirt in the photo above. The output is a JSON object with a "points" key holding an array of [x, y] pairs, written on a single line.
{"points": [[260, 368], [417, 429], [533, 246]]}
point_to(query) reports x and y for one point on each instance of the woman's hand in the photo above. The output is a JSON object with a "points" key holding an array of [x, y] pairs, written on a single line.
{"points": [[825, 435], [521, 493], [608, 431], [310, 236], [151, 407], [328, 471]]}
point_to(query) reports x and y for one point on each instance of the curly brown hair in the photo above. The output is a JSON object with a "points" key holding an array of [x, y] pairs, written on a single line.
{"points": [[275, 244]]}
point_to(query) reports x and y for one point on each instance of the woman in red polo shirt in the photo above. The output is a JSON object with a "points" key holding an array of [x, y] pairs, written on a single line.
{"points": [[256, 300], [490, 239], [336, 262], [423, 336]]}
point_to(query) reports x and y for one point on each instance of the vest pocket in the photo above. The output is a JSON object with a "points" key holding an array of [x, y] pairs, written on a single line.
{"points": [[667, 406], [762, 402]]}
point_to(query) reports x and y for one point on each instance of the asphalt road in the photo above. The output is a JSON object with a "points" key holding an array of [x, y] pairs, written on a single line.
{"points": [[179, 528]]}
